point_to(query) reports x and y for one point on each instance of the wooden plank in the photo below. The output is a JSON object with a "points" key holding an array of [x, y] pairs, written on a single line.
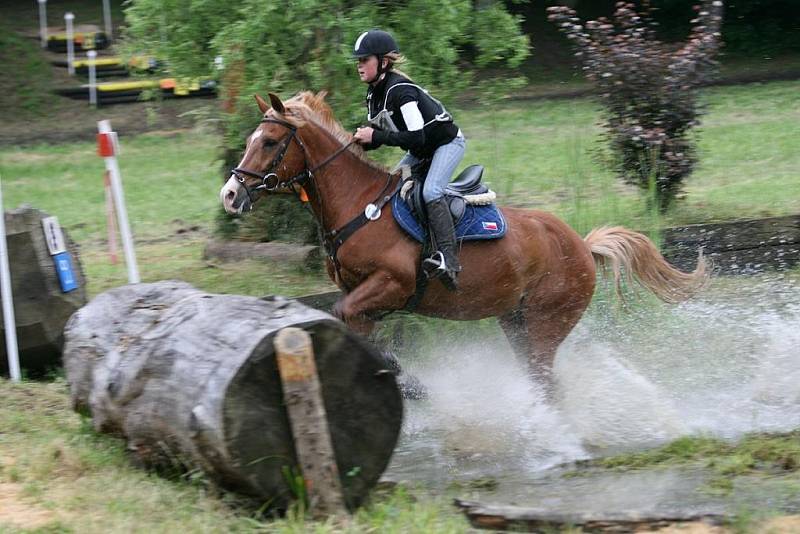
{"points": [[498, 517], [309, 423]]}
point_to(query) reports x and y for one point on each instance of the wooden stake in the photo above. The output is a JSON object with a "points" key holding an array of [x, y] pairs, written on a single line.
{"points": [[303, 396]]}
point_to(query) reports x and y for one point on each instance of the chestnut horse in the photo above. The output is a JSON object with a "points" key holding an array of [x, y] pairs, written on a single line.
{"points": [[537, 280]]}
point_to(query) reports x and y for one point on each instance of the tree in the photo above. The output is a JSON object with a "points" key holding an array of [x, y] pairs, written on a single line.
{"points": [[648, 89], [285, 47]]}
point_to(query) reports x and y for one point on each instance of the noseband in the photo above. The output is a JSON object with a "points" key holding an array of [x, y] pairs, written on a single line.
{"points": [[270, 181]]}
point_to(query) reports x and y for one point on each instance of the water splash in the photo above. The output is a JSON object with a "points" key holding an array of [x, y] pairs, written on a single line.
{"points": [[724, 364]]}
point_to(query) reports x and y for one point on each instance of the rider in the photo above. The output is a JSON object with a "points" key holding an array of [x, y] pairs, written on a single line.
{"points": [[403, 114]]}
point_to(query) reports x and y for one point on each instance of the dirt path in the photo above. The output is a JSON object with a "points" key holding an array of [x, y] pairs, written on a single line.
{"points": [[16, 512]]}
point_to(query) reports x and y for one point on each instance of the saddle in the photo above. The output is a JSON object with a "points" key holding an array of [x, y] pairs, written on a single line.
{"points": [[470, 201], [458, 193]]}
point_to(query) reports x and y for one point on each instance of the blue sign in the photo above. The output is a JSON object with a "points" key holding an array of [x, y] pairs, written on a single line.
{"points": [[64, 270]]}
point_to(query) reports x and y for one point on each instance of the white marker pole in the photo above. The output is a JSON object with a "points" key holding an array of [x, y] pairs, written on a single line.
{"points": [[107, 19], [9, 321], [107, 148], [43, 22], [92, 55], [68, 18]]}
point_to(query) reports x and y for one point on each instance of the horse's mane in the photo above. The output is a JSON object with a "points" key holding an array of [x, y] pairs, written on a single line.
{"points": [[309, 106]]}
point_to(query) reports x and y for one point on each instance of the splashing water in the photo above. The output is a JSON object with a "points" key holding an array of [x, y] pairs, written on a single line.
{"points": [[724, 364]]}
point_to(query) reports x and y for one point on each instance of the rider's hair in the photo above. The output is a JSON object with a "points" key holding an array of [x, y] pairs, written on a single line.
{"points": [[396, 58]]}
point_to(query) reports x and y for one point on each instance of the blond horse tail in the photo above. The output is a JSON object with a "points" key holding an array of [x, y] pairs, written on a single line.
{"points": [[625, 250]]}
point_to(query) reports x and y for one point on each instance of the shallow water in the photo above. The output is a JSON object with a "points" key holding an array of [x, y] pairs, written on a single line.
{"points": [[724, 364]]}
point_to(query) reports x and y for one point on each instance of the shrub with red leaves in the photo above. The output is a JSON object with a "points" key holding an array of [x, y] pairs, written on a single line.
{"points": [[648, 89]]}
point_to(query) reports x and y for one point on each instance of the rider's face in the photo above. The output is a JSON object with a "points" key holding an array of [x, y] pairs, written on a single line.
{"points": [[367, 68]]}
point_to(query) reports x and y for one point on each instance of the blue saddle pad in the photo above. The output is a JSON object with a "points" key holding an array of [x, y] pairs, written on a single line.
{"points": [[478, 222]]}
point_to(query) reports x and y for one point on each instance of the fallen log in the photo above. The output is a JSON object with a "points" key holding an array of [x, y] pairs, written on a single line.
{"points": [[244, 250], [190, 380], [520, 519], [41, 307], [737, 246]]}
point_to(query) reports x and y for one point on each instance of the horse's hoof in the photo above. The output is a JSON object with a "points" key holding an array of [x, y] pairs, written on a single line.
{"points": [[391, 361], [411, 388]]}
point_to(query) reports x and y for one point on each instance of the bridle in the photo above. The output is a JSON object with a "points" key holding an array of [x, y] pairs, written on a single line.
{"points": [[270, 181]]}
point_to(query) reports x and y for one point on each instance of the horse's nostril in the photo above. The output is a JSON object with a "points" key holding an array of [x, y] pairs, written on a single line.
{"points": [[231, 195]]}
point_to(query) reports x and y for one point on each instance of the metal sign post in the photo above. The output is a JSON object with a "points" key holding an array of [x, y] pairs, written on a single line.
{"points": [[68, 18], [107, 148], [107, 19], [43, 22], [9, 321], [92, 55]]}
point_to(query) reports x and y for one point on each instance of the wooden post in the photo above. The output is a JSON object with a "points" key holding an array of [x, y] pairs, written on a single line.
{"points": [[308, 421]]}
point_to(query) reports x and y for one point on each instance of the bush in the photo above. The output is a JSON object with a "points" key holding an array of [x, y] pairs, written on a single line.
{"points": [[648, 89]]}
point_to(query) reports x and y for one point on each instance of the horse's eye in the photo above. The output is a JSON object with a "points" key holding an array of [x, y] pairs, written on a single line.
{"points": [[269, 142]]}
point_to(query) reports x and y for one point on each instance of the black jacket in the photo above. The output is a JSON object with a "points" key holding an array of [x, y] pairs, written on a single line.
{"points": [[391, 93]]}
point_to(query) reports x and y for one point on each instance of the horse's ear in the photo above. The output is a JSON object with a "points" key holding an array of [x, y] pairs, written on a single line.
{"points": [[321, 95], [262, 105], [277, 105]]}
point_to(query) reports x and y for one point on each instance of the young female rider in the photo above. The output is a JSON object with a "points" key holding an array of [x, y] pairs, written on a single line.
{"points": [[403, 114]]}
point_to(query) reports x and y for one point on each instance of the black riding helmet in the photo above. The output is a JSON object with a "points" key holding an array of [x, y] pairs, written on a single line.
{"points": [[374, 43]]}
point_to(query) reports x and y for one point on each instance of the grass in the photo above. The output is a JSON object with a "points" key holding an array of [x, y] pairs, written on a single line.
{"points": [[538, 154], [171, 207], [755, 452], [64, 477], [27, 87], [543, 155], [160, 194]]}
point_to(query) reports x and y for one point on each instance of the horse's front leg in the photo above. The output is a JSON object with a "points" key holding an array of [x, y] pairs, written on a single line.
{"points": [[380, 291]]}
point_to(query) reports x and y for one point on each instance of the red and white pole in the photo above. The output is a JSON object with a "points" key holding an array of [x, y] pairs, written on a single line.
{"points": [[107, 147], [110, 224]]}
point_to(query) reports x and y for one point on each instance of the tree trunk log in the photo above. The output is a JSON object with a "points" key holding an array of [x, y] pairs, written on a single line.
{"points": [[41, 309], [190, 379]]}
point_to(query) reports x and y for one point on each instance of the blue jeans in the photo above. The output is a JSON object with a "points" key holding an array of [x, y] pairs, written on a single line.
{"points": [[444, 163]]}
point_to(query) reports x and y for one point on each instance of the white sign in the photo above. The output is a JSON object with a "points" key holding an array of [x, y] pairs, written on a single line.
{"points": [[53, 235]]}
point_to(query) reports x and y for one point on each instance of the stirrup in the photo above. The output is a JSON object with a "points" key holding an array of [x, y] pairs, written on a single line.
{"points": [[435, 265]]}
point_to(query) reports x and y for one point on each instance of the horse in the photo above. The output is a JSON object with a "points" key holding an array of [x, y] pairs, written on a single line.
{"points": [[537, 280]]}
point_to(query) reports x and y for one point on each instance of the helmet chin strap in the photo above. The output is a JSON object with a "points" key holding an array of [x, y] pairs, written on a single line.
{"points": [[380, 70]]}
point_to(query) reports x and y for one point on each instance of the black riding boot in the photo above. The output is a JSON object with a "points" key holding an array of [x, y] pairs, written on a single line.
{"points": [[444, 262]]}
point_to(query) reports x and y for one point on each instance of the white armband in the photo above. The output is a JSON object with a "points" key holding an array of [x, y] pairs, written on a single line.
{"points": [[411, 116]]}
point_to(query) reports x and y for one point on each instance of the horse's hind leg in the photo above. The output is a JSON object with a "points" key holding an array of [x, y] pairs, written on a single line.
{"points": [[516, 330], [535, 333]]}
